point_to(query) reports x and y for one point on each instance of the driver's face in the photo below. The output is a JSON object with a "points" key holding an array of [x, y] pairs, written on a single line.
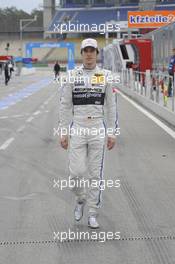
{"points": [[89, 56]]}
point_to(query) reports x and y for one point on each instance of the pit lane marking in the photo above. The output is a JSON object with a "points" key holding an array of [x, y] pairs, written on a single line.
{"points": [[30, 119], [167, 129], [37, 113], [20, 129], [7, 143]]}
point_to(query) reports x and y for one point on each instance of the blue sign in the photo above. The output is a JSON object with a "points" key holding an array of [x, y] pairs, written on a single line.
{"points": [[18, 59], [69, 45]]}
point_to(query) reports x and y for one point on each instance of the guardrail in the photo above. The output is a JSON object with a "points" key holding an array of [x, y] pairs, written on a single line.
{"points": [[159, 87]]}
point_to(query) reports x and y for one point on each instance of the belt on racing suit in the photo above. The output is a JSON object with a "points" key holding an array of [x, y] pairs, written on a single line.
{"points": [[80, 118]]}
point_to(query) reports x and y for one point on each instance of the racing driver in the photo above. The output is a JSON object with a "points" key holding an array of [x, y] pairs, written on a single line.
{"points": [[86, 99]]}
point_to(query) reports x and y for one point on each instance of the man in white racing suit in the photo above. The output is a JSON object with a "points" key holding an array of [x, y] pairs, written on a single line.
{"points": [[86, 96]]}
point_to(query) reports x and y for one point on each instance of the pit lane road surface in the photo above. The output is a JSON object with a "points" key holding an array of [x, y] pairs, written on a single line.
{"points": [[33, 208]]}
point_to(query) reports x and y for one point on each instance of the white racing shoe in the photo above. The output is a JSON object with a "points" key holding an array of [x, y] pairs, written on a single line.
{"points": [[78, 212], [92, 222]]}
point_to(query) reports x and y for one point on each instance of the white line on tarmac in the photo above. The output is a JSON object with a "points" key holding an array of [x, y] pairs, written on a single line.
{"points": [[37, 113], [5, 107], [20, 129], [3, 117], [29, 119], [153, 118], [6, 143], [24, 115], [51, 97], [16, 116], [47, 101]]}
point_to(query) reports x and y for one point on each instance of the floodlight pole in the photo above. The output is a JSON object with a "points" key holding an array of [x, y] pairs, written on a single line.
{"points": [[21, 26]]}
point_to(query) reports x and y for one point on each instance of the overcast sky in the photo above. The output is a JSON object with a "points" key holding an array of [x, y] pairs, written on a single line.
{"points": [[26, 5]]}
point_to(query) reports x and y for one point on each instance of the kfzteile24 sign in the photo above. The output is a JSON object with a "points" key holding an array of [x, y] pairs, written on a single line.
{"points": [[150, 19]]}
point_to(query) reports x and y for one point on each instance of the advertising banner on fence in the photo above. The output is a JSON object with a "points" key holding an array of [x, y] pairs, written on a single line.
{"points": [[150, 19]]}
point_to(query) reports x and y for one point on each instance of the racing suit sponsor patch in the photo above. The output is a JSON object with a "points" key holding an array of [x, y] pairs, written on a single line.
{"points": [[87, 98]]}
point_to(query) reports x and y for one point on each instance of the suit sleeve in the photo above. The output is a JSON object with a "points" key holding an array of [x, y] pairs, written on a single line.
{"points": [[66, 106], [111, 109]]}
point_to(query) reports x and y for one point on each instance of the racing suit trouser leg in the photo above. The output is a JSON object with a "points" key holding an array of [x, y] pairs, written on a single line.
{"points": [[96, 153], [77, 164], [88, 149]]}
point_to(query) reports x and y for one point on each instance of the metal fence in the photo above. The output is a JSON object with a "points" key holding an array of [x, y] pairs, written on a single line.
{"points": [[156, 86]]}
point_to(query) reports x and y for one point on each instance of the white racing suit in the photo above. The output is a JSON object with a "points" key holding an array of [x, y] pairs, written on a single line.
{"points": [[83, 103]]}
